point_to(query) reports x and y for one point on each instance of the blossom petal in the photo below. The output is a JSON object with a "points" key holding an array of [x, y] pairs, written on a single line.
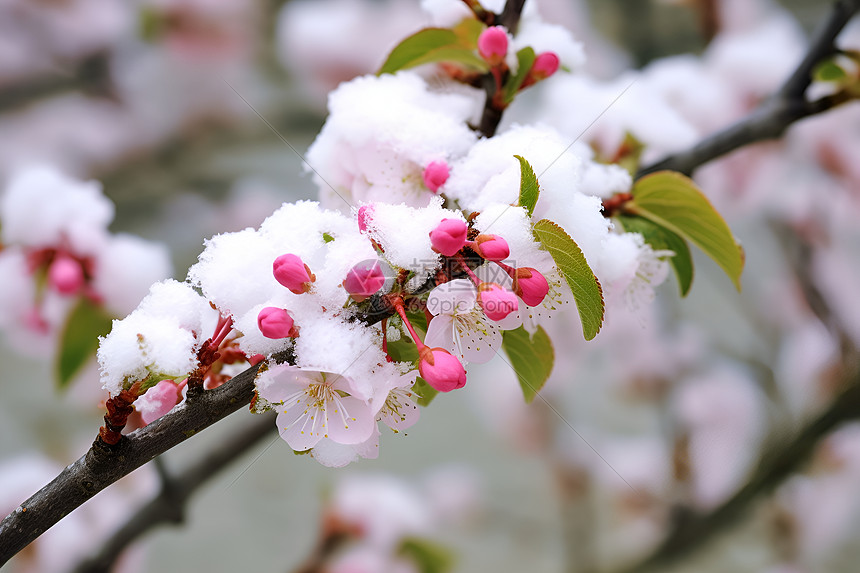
{"points": [[440, 333], [399, 411], [452, 297], [348, 419]]}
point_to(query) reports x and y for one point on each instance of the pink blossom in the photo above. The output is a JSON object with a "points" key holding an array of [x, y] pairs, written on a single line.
{"points": [[546, 64], [363, 280], [435, 175], [530, 285], [293, 273], [276, 323], [441, 370], [492, 247], [449, 236], [365, 212], [496, 302], [459, 325], [158, 401], [493, 45], [66, 275]]}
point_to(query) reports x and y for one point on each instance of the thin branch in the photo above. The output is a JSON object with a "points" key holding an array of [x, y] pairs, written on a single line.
{"points": [[103, 465], [777, 113], [170, 503], [510, 16], [772, 470]]}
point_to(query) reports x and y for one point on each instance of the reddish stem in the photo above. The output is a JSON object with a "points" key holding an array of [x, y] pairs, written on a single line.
{"points": [[469, 272], [398, 306]]}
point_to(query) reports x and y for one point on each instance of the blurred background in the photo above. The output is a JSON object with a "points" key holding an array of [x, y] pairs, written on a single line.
{"points": [[659, 421]]}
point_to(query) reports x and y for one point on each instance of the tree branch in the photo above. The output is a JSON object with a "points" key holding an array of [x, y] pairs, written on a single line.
{"points": [[102, 465], [170, 503], [778, 112], [772, 470]]}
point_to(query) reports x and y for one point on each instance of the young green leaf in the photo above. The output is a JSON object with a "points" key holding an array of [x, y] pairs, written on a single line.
{"points": [[673, 201], [532, 358], [428, 556], [661, 238], [525, 61], [529, 188], [424, 391], [829, 70], [80, 339], [571, 262], [429, 45]]}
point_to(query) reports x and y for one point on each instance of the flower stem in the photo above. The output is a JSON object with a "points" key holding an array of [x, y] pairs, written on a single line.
{"points": [[398, 306]]}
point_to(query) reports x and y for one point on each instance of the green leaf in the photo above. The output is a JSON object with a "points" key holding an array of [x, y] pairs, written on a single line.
{"points": [[571, 262], [661, 238], [829, 71], [403, 350], [430, 557], [529, 188], [673, 201], [424, 391], [526, 59], [438, 45], [80, 339], [532, 358]]}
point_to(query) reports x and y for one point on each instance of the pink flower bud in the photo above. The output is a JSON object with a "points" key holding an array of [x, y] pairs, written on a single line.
{"points": [[276, 323], [449, 236], [159, 400], [493, 45], [530, 285], [492, 247], [363, 280], [546, 64], [66, 275], [435, 175], [365, 213], [290, 271], [495, 301], [441, 370]]}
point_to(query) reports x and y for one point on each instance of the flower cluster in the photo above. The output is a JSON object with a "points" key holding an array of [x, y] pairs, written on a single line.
{"points": [[56, 251]]}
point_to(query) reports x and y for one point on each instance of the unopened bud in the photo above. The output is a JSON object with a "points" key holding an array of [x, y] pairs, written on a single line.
{"points": [[66, 275], [441, 370], [530, 285], [492, 247], [365, 213], [276, 323], [493, 45], [293, 273], [449, 236], [546, 64], [435, 175], [363, 280], [495, 301]]}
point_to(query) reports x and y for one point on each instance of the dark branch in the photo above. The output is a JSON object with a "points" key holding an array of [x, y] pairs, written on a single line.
{"points": [[103, 465], [170, 504], [773, 469], [777, 113], [510, 16]]}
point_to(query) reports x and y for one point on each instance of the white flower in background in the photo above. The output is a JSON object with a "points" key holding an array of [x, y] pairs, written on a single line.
{"points": [[381, 134], [57, 250], [459, 325]]}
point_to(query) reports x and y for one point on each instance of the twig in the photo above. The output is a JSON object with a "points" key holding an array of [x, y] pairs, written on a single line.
{"points": [[170, 503], [777, 113], [772, 470], [103, 465]]}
